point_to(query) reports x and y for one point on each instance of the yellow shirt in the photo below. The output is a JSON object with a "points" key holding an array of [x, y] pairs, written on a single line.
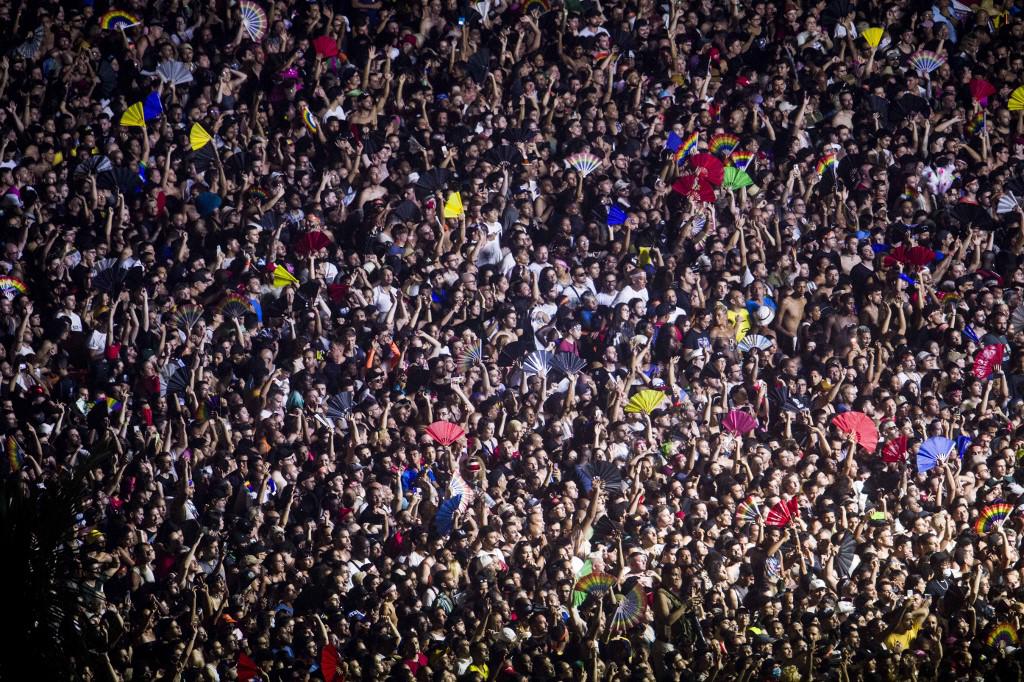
{"points": [[900, 641]]}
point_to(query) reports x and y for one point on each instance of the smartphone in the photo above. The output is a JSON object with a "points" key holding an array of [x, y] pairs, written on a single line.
{"points": [[462, 21]]}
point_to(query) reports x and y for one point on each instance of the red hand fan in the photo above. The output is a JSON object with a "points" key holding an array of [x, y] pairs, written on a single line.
{"points": [[708, 167], [981, 89], [782, 513], [445, 433], [861, 426], [895, 450], [695, 188], [329, 661], [311, 242], [326, 46], [246, 668]]}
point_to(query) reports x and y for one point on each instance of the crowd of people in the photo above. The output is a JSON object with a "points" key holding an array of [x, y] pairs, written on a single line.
{"points": [[546, 340]]}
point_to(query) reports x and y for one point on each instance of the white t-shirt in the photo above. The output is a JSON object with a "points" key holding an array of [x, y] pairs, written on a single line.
{"points": [[74, 318], [628, 293]]}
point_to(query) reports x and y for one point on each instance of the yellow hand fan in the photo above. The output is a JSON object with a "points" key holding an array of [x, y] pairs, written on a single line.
{"points": [[453, 207], [198, 137], [282, 277], [873, 36], [644, 256], [645, 401], [134, 116], [1016, 102]]}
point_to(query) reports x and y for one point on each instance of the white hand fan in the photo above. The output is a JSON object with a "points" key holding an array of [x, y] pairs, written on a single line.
{"points": [[175, 73], [569, 363], [538, 362], [752, 341], [1007, 203]]}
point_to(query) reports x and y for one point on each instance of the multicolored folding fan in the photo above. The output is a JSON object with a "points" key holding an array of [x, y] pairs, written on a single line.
{"points": [[117, 20], [630, 609], [873, 36], [12, 286], [827, 163], [738, 423], [748, 510], [235, 306], [310, 120], [445, 433], [584, 162], [186, 317], [926, 61], [783, 512], [595, 584], [1016, 101], [645, 401], [471, 357], [15, 454], [542, 5], [723, 144], [977, 124], [741, 159], [992, 516], [1002, 635], [254, 20]]}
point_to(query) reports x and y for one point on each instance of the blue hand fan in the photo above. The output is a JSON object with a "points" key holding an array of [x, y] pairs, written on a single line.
{"points": [[962, 443], [616, 216], [881, 248], [933, 451], [445, 515], [673, 142], [152, 107], [971, 334]]}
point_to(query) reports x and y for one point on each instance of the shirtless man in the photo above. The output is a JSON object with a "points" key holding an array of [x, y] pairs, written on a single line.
{"points": [[790, 315]]}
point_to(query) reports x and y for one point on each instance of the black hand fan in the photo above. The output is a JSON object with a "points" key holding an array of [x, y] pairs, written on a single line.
{"points": [[609, 474]]}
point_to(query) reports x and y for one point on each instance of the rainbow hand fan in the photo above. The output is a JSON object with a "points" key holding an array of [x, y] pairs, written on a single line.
{"points": [[741, 159], [198, 137], [748, 511], [116, 20], [826, 163], [235, 306], [309, 119], [873, 36], [646, 401], [977, 124], [1002, 635], [15, 455], [471, 357], [12, 286], [595, 584], [992, 516], [723, 144], [187, 317], [254, 20], [926, 61], [630, 609], [1016, 102], [734, 178], [689, 146], [459, 486], [585, 162], [445, 433], [134, 116]]}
